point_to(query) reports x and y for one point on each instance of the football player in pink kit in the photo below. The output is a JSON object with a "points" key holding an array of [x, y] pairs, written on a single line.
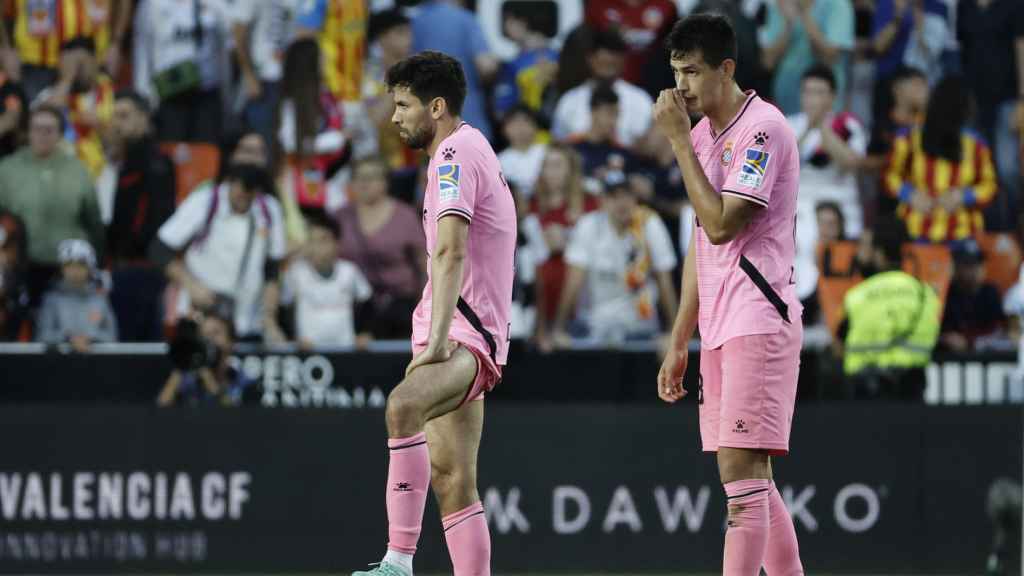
{"points": [[460, 328], [741, 169]]}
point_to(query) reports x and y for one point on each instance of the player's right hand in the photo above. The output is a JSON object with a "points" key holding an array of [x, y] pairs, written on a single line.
{"points": [[670, 377]]}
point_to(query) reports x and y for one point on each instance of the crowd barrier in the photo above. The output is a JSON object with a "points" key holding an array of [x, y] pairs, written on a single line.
{"points": [[597, 488]]}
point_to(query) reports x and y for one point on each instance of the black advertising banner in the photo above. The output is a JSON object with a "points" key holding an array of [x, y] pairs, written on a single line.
{"points": [[566, 488]]}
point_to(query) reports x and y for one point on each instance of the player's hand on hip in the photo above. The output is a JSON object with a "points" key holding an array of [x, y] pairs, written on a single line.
{"points": [[434, 354], [670, 377], [670, 116]]}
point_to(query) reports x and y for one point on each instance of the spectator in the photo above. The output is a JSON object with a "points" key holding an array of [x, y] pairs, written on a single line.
{"points": [[830, 228], [798, 34], [974, 310], [528, 80], [179, 54], [660, 173], [246, 147], [340, 26], [309, 129], [643, 24], [138, 199], [531, 252], [326, 291], [86, 96], [623, 256], [891, 323], [13, 115], [991, 35], [558, 203], [232, 237], [52, 192], [909, 32], [41, 28], [262, 30], [14, 298], [391, 35], [384, 238], [606, 60], [830, 222], [446, 26], [573, 65], [832, 148], [901, 110], [522, 160], [943, 201], [203, 373], [598, 147], [76, 310]]}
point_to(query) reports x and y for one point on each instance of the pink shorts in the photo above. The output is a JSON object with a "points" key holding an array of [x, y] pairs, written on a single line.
{"points": [[747, 390], [488, 374]]}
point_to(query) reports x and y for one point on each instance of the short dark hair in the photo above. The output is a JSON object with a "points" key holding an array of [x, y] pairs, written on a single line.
{"points": [[430, 75], [821, 72], [383, 22], [520, 109], [321, 220], [608, 39], [711, 34], [372, 160], [833, 206], [904, 72], [56, 112], [252, 177], [603, 95], [138, 100], [890, 234]]}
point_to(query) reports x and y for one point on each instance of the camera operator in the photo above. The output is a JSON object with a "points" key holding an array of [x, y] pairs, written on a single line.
{"points": [[200, 352]]}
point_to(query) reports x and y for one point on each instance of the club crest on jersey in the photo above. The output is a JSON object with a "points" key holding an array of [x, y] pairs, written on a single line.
{"points": [[448, 182], [755, 164], [727, 154]]}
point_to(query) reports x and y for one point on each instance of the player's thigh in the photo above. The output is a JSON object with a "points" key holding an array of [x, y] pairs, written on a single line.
{"points": [[454, 441], [436, 389], [709, 397]]}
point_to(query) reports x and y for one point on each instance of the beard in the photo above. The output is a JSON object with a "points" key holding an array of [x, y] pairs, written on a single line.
{"points": [[419, 139]]}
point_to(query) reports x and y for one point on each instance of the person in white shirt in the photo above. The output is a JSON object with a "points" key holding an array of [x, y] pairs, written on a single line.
{"points": [[832, 149], [607, 60], [624, 258], [262, 30], [522, 160], [325, 291], [231, 236], [180, 65]]}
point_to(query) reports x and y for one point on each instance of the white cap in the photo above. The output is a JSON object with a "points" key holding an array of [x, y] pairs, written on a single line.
{"points": [[75, 250]]}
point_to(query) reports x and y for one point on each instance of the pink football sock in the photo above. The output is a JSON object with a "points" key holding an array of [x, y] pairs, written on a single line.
{"points": [[747, 535], [782, 558], [469, 542], [408, 478]]}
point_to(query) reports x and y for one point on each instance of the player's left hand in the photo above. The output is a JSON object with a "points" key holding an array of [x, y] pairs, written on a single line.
{"points": [[670, 377], [670, 116], [434, 354]]}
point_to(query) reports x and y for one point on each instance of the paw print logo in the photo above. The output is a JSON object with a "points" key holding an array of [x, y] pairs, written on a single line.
{"points": [[448, 154], [760, 138], [740, 424]]}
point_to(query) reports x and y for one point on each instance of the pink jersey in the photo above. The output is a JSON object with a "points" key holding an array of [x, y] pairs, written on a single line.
{"points": [[464, 179], [746, 285]]}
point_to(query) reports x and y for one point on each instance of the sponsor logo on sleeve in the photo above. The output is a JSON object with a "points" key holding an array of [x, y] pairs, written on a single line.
{"points": [[448, 182], [755, 164]]}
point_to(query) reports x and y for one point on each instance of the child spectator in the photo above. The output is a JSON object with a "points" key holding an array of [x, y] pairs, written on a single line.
{"points": [[76, 311], [326, 291], [522, 160]]}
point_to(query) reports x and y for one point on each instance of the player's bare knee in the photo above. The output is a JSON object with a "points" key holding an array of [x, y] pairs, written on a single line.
{"points": [[742, 464], [403, 414]]}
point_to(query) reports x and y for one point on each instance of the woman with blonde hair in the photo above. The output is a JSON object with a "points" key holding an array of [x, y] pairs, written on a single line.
{"points": [[559, 200]]}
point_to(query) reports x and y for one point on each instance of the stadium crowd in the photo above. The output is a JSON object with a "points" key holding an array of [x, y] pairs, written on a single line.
{"points": [[238, 157]]}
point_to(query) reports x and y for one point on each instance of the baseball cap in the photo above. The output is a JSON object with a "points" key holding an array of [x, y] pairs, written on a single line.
{"points": [[75, 250], [968, 252]]}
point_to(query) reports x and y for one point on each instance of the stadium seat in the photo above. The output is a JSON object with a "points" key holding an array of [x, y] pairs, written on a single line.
{"points": [[1002, 259], [831, 292], [194, 164], [836, 258], [931, 264]]}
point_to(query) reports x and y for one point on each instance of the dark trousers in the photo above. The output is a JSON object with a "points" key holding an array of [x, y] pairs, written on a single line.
{"points": [[137, 300], [191, 117]]}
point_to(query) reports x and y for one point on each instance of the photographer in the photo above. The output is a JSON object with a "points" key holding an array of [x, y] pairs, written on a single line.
{"points": [[232, 240], [200, 352]]}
